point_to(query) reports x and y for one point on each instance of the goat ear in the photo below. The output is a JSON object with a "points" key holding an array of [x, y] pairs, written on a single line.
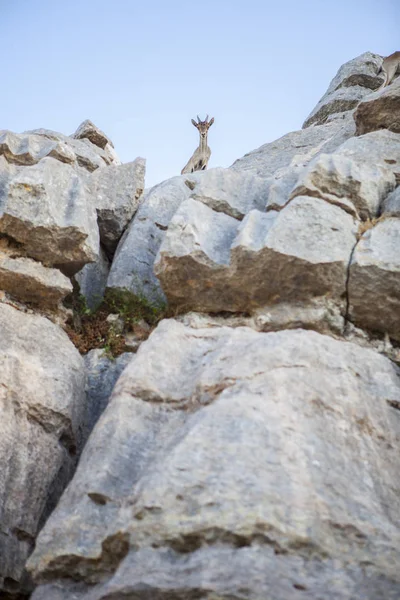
{"points": [[211, 122], [194, 123]]}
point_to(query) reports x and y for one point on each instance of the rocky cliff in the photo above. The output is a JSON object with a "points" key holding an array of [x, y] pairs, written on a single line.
{"points": [[244, 444]]}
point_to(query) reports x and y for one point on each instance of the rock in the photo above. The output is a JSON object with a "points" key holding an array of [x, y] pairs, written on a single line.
{"points": [[92, 280], [23, 149], [46, 209], [358, 188], [234, 465], [208, 263], [296, 149], [374, 281], [102, 373], [391, 206], [230, 192], [132, 267], [281, 186], [380, 110], [380, 148], [42, 404], [29, 281], [116, 192], [354, 80], [88, 130]]}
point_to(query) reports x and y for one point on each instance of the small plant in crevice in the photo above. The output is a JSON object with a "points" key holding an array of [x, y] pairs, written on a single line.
{"points": [[89, 329]]}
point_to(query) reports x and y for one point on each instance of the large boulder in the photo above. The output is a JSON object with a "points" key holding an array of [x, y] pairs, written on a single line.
{"points": [[46, 209], [42, 405], [116, 192], [353, 82], [88, 130], [234, 465], [208, 262], [92, 280], [374, 280], [380, 110]]}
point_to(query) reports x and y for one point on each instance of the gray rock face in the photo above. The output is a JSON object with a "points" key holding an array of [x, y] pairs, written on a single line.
{"points": [[88, 130], [357, 187], [354, 80], [46, 209], [374, 283], [209, 263], [42, 406], [235, 466], [102, 375], [24, 149], [230, 192], [380, 110], [116, 193], [391, 206], [92, 280], [132, 267], [296, 149]]}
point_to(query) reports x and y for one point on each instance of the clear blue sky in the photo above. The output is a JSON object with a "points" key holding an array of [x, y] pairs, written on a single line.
{"points": [[142, 69]]}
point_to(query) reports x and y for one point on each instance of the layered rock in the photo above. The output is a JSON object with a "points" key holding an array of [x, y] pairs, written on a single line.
{"points": [[380, 110], [42, 406], [235, 466]]}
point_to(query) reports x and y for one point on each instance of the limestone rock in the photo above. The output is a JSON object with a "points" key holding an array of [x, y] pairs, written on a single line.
{"points": [[42, 406], [296, 149], [354, 80], [45, 208], [23, 149], [116, 192], [132, 267], [380, 110], [29, 281], [92, 280], [88, 130], [391, 206], [374, 283], [358, 188], [281, 185], [234, 465], [230, 192], [209, 263]]}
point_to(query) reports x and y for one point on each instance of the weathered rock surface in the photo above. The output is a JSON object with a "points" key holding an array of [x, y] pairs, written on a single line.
{"points": [[230, 192], [357, 187], [102, 373], [391, 206], [235, 466], [46, 208], [380, 110], [88, 130], [116, 192], [31, 282], [208, 262], [374, 282], [354, 80], [92, 280], [24, 149], [42, 406], [132, 267]]}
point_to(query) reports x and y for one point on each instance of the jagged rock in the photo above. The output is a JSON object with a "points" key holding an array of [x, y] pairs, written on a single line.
{"points": [[45, 208], [23, 149], [42, 405], [230, 192], [132, 267], [380, 110], [358, 188], [88, 130], [354, 80], [281, 186], [234, 465], [102, 373], [29, 281], [116, 193], [208, 262], [380, 148], [391, 206], [92, 280], [374, 282], [87, 155], [296, 149]]}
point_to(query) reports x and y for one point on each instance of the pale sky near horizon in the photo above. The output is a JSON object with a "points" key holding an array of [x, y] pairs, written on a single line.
{"points": [[141, 70]]}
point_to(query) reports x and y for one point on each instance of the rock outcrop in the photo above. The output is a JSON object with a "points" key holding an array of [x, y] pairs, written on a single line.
{"points": [[248, 446]]}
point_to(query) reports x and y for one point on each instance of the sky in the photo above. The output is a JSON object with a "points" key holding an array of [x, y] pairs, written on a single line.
{"points": [[141, 70]]}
